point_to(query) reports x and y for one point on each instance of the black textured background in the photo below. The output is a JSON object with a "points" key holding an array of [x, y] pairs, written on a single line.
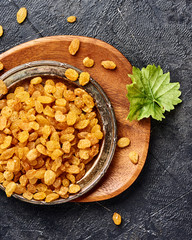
{"points": [[158, 205]]}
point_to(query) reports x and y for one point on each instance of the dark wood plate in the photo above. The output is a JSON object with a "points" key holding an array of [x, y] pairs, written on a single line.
{"points": [[122, 172]]}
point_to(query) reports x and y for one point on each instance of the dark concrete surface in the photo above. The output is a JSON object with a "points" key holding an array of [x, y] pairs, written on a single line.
{"points": [[158, 205]]}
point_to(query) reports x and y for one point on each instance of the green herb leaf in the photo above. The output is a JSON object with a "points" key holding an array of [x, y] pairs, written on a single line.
{"points": [[151, 93]]}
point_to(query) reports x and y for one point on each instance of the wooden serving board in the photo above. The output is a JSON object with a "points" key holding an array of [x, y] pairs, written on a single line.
{"points": [[122, 172]]}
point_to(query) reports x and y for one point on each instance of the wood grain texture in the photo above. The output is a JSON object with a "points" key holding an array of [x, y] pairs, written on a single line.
{"points": [[121, 173]]}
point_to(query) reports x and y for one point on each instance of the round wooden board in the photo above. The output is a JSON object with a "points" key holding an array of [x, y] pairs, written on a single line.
{"points": [[122, 172]]}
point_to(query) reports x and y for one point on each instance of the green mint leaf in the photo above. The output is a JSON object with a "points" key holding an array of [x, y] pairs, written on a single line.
{"points": [[151, 93]]}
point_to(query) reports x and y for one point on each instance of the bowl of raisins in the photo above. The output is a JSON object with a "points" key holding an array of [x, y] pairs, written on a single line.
{"points": [[57, 132]]}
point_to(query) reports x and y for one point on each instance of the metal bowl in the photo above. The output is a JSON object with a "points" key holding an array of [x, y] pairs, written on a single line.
{"points": [[20, 76]]}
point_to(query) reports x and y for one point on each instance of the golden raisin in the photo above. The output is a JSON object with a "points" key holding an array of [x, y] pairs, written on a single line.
{"points": [[41, 187], [1, 65], [52, 145], [117, 218], [33, 136], [49, 111], [71, 74], [51, 197], [74, 188], [34, 125], [88, 100], [3, 103], [95, 128], [38, 107], [1, 31], [1, 177], [50, 82], [31, 188], [72, 169], [74, 161], [108, 64], [45, 99], [84, 154], [22, 96], [61, 102], [74, 46], [42, 120], [35, 94], [71, 177], [30, 174], [39, 174], [41, 149], [49, 177], [19, 89], [66, 147], [57, 182], [88, 62], [32, 155], [93, 122], [23, 136], [71, 118], [71, 19], [39, 196], [3, 88], [60, 117], [123, 142], [84, 78], [23, 180], [8, 153], [134, 157], [19, 189], [49, 88], [21, 15], [36, 80], [13, 165], [98, 134], [56, 154], [84, 143], [46, 130], [80, 175], [56, 164], [69, 95], [28, 195], [63, 191], [82, 124], [8, 175], [6, 143], [65, 182], [10, 188]]}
